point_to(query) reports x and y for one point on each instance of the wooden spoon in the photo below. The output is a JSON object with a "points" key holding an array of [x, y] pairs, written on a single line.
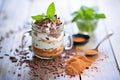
{"points": [[92, 52]]}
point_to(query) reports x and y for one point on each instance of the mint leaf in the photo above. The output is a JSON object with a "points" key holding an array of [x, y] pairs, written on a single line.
{"points": [[76, 18], [49, 14], [97, 16], [51, 10], [38, 17]]}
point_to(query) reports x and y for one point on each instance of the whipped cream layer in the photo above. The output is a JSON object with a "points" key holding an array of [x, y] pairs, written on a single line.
{"points": [[43, 41]]}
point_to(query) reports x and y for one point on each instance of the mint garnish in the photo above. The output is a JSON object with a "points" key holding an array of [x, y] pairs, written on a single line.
{"points": [[87, 13], [49, 14]]}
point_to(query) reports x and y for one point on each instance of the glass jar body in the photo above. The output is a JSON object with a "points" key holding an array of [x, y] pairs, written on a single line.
{"points": [[86, 26], [47, 45]]}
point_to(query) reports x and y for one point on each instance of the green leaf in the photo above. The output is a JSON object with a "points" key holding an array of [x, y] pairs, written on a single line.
{"points": [[38, 17], [75, 18], [51, 10], [97, 16]]}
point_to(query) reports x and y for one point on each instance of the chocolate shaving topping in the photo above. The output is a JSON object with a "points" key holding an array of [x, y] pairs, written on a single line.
{"points": [[50, 27]]}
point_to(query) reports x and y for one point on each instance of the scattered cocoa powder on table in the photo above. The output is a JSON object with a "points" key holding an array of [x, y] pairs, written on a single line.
{"points": [[77, 64]]}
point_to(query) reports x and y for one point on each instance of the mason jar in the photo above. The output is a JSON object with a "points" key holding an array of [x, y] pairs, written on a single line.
{"points": [[45, 44]]}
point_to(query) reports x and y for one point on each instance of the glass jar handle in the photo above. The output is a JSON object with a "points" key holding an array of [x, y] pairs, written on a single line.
{"points": [[68, 44], [28, 33]]}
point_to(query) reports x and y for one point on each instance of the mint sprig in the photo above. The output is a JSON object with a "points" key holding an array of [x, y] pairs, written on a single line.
{"points": [[49, 14], [87, 13]]}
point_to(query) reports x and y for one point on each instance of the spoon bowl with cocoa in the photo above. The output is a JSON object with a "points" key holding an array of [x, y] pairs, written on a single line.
{"points": [[92, 52]]}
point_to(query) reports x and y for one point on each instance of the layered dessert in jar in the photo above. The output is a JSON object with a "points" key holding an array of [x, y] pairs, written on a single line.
{"points": [[47, 38]]}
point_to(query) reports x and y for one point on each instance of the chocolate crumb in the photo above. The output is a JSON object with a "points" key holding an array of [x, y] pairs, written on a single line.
{"points": [[13, 72], [19, 75], [87, 67], [58, 75], [19, 68], [54, 77], [0, 47], [61, 74], [1, 57], [28, 56], [13, 59], [26, 53], [23, 57], [17, 50], [1, 38], [6, 54], [36, 75], [35, 33], [47, 38]]}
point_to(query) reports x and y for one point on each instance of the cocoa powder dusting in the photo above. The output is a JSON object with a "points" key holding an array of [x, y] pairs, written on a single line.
{"points": [[77, 64]]}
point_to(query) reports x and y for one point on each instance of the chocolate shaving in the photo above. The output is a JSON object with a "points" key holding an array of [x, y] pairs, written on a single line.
{"points": [[6, 54], [0, 47], [1, 38], [13, 72], [17, 50], [1, 57], [13, 59], [19, 75], [47, 38]]}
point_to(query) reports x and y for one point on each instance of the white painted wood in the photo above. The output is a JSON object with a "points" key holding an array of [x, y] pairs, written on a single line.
{"points": [[112, 22]]}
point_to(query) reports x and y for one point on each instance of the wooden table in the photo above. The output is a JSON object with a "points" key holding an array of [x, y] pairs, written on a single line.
{"points": [[15, 19]]}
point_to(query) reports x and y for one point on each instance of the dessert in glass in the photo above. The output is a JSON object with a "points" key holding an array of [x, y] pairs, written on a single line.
{"points": [[48, 35], [47, 38]]}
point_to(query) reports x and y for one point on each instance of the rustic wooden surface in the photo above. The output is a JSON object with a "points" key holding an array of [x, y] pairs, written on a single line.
{"points": [[15, 15]]}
